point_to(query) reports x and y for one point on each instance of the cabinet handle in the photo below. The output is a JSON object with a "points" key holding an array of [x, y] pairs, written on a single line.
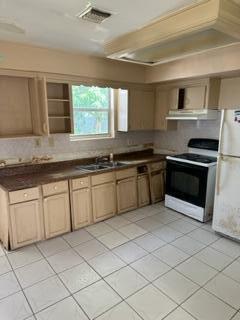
{"points": [[25, 195], [81, 182], [55, 188]]}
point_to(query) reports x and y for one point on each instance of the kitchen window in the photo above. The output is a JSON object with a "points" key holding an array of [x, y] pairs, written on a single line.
{"points": [[92, 111]]}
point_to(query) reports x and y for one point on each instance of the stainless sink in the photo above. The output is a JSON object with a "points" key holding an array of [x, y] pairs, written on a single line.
{"points": [[113, 164], [100, 166], [91, 167]]}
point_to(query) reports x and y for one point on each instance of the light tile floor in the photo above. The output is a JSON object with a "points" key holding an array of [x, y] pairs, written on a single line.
{"points": [[149, 264]]}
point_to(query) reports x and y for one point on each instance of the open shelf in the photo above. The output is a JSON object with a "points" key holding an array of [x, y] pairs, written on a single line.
{"points": [[60, 125], [58, 100], [59, 114], [57, 91], [58, 117]]}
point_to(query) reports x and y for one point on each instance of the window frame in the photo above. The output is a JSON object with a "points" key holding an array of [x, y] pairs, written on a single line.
{"points": [[109, 110]]}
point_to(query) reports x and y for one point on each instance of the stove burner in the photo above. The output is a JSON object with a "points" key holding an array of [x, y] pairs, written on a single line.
{"points": [[196, 158]]}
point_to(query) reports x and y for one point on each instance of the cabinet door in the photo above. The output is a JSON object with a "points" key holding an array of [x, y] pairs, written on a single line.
{"points": [[43, 104], [173, 98], [230, 93], [195, 98], [147, 110], [127, 195], [56, 215], [104, 201], [143, 191], [122, 110], [81, 208], [158, 183], [164, 98], [26, 221], [141, 109]]}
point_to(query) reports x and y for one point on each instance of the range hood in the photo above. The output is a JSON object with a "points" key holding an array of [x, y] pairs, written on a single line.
{"points": [[201, 27], [204, 114]]}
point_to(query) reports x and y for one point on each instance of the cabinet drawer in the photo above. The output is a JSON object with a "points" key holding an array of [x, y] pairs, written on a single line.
{"points": [[23, 195], [102, 178], [158, 166], [127, 173], [55, 188], [80, 183]]}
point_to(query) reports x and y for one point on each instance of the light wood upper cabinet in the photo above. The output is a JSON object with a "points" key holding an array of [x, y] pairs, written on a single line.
{"points": [[56, 215], [19, 107], [230, 94], [135, 109], [188, 98], [195, 98], [122, 96], [164, 99], [127, 194], [143, 190], [43, 103], [104, 201], [81, 208], [26, 223], [141, 109], [195, 95]]}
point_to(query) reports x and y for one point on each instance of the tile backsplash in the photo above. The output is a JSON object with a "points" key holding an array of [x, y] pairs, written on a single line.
{"points": [[60, 147], [176, 141]]}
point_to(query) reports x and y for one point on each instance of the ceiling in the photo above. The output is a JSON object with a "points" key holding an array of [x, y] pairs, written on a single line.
{"points": [[53, 23]]}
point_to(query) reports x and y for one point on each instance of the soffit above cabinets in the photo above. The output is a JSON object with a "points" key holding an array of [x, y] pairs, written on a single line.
{"points": [[204, 26]]}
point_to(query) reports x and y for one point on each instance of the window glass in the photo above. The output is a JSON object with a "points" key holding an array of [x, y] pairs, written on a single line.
{"points": [[91, 110]]}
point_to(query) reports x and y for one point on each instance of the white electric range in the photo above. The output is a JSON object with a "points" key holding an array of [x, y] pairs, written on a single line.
{"points": [[190, 180]]}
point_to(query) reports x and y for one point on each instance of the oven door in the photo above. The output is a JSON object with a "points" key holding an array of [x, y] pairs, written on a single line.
{"points": [[187, 182]]}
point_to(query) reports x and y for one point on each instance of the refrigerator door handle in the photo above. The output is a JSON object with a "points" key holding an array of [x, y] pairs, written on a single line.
{"points": [[218, 174], [221, 131]]}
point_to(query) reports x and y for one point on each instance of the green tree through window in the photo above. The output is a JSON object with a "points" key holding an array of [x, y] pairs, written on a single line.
{"points": [[91, 110]]}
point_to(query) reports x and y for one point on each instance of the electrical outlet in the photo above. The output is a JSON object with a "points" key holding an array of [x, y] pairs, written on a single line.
{"points": [[37, 142], [148, 145], [130, 142]]}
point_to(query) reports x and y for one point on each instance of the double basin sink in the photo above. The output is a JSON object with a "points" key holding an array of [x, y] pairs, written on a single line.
{"points": [[101, 166]]}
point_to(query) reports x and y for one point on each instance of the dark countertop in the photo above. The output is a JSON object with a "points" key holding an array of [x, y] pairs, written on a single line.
{"points": [[17, 178]]}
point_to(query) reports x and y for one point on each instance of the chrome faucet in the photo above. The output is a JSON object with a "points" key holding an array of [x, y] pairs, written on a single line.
{"points": [[3, 163], [101, 159], [111, 157]]}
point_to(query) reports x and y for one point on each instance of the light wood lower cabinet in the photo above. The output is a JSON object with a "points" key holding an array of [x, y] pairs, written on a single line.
{"points": [[81, 208], [158, 186], [56, 215], [26, 223], [27, 217], [127, 194], [104, 201], [143, 190]]}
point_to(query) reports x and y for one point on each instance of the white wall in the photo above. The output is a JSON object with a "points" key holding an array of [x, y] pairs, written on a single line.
{"points": [[176, 141]]}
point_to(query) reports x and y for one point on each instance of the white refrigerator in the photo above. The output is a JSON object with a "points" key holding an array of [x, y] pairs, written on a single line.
{"points": [[226, 216]]}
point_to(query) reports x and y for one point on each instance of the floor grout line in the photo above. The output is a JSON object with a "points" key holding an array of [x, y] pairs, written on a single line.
{"points": [[56, 274]]}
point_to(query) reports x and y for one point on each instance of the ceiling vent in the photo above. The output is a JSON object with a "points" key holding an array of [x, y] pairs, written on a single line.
{"points": [[94, 15]]}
